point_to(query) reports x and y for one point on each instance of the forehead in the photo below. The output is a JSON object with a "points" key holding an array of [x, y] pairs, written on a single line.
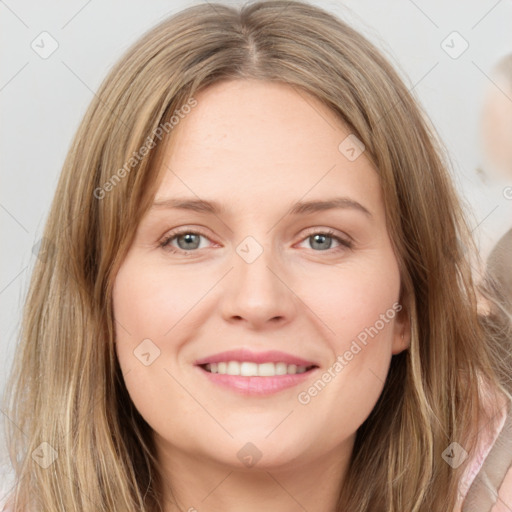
{"points": [[253, 141], [247, 116]]}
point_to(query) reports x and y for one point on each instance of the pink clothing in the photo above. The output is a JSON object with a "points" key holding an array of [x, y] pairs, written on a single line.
{"points": [[474, 467], [481, 486]]}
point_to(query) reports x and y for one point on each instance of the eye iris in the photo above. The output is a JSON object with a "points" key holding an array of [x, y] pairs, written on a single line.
{"points": [[189, 237], [320, 238], [192, 241]]}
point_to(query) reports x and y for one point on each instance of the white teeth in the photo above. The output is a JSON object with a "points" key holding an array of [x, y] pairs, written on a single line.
{"points": [[247, 369], [266, 369], [281, 368], [233, 368]]}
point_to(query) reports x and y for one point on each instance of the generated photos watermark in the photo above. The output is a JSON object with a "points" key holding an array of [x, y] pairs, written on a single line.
{"points": [[149, 144], [357, 345]]}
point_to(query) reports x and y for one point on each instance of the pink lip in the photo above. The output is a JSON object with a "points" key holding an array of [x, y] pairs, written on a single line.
{"points": [[241, 355], [257, 385]]}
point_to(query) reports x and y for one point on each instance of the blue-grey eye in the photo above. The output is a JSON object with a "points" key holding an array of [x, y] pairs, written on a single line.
{"points": [[318, 241], [191, 241]]}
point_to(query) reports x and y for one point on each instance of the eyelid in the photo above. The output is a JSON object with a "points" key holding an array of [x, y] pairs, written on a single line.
{"points": [[344, 243], [164, 243], [328, 231]]}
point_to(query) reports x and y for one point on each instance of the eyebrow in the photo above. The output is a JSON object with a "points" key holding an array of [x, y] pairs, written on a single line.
{"points": [[299, 208]]}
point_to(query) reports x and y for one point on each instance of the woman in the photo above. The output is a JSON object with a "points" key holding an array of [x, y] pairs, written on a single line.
{"points": [[257, 369]]}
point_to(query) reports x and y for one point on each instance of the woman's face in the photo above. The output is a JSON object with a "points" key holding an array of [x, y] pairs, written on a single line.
{"points": [[254, 179]]}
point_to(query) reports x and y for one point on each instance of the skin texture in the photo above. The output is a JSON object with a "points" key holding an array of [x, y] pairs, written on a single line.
{"points": [[257, 148]]}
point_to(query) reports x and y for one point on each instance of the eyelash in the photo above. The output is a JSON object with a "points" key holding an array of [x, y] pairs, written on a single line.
{"points": [[165, 243]]}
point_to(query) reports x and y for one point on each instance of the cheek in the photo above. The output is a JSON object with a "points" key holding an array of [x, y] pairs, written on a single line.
{"points": [[359, 308], [356, 302], [340, 306], [150, 306], [150, 301]]}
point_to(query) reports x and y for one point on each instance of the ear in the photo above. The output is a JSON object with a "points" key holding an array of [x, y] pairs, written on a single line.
{"points": [[401, 331]]}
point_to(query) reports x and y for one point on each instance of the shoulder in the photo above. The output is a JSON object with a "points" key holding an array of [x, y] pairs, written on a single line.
{"points": [[487, 484], [501, 466], [504, 501]]}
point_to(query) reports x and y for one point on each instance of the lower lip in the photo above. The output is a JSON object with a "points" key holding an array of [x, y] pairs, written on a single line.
{"points": [[257, 385]]}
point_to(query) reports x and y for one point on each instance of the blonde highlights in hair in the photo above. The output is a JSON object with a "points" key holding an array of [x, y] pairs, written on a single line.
{"points": [[66, 386]]}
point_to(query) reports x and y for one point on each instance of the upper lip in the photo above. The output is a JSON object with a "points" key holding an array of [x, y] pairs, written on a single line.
{"points": [[245, 355]]}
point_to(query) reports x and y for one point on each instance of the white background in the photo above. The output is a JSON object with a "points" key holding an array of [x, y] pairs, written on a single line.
{"points": [[43, 100]]}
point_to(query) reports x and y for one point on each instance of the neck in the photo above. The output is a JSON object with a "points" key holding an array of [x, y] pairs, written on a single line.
{"points": [[194, 483]]}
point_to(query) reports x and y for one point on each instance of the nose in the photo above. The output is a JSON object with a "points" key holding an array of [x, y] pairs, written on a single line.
{"points": [[258, 293]]}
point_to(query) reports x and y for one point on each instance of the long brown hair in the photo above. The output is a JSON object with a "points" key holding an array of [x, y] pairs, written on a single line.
{"points": [[66, 388]]}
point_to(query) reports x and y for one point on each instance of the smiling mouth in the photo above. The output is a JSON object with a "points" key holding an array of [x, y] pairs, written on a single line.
{"points": [[250, 369]]}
